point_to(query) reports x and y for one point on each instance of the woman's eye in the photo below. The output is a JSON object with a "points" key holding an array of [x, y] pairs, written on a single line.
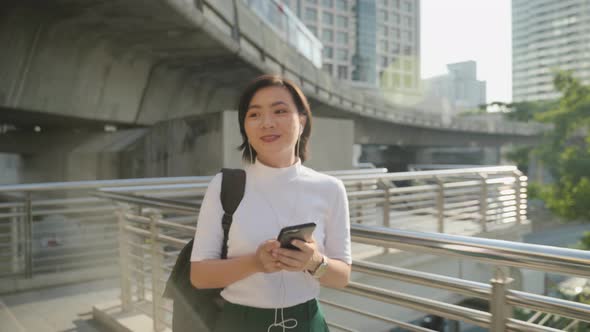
{"points": [[280, 111], [252, 115]]}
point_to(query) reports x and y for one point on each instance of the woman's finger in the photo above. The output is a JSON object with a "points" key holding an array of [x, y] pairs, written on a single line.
{"points": [[290, 262], [304, 246]]}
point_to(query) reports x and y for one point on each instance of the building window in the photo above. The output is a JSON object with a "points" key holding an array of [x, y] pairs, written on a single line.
{"points": [[382, 29], [408, 81], [328, 52], [341, 54], [408, 65], [395, 48], [342, 38], [407, 36], [313, 30], [384, 61], [327, 18], [341, 21], [407, 21], [395, 33], [343, 72], [327, 3], [383, 44], [311, 14], [407, 6], [396, 80], [383, 15], [395, 62], [312, 2], [407, 50], [327, 68], [396, 19], [341, 5], [327, 35], [384, 3]]}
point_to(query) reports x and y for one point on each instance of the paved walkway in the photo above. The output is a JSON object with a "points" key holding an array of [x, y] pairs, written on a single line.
{"points": [[57, 309]]}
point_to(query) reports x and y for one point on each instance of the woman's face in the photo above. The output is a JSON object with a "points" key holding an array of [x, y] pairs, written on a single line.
{"points": [[273, 125]]}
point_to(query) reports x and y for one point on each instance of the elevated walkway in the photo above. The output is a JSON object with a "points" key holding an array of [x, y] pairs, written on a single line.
{"points": [[423, 243]]}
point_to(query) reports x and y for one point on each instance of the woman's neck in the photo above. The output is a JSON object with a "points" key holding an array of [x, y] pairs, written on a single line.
{"points": [[277, 162]]}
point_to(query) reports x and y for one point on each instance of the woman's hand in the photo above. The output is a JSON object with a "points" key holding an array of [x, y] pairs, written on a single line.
{"points": [[264, 259], [293, 260]]}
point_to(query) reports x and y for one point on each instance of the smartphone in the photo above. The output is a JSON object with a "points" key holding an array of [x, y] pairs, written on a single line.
{"points": [[301, 232]]}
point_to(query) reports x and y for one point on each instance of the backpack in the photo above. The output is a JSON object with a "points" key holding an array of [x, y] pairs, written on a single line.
{"points": [[197, 309]]}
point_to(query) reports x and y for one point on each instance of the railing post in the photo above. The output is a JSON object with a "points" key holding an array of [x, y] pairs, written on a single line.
{"points": [[156, 271], [28, 235], [499, 309], [440, 204], [483, 202], [386, 209], [126, 303], [517, 189]]}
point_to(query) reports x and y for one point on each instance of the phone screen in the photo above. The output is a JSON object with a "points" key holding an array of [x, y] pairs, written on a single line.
{"points": [[301, 232]]}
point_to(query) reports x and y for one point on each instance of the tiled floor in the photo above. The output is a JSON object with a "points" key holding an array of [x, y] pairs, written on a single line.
{"points": [[57, 309]]}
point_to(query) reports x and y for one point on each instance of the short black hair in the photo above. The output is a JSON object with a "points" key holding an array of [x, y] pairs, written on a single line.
{"points": [[301, 103]]}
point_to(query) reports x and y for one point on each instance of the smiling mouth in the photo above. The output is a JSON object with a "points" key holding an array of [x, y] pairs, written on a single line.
{"points": [[269, 138]]}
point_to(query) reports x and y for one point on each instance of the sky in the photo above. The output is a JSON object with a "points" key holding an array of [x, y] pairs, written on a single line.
{"points": [[461, 30]]}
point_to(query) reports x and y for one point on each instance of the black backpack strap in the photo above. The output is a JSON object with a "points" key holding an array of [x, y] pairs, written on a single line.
{"points": [[233, 185]]}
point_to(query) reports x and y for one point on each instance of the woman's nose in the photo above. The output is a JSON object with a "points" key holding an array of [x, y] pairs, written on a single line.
{"points": [[267, 121]]}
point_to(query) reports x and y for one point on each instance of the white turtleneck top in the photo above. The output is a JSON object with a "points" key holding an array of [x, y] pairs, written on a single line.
{"points": [[275, 198]]}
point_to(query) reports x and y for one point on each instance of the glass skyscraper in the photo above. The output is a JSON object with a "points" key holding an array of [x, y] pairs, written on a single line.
{"points": [[548, 35], [375, 43]]}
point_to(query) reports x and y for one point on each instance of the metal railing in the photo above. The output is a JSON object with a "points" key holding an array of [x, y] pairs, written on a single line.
{"points": [[150, 242], [60, 227]]}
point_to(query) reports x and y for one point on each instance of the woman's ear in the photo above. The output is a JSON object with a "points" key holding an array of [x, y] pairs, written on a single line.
{"points": [[302, 121]]}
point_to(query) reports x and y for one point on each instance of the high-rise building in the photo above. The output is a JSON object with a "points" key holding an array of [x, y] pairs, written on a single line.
{"points": [[548, 35], [371, 42], [457, 91]]}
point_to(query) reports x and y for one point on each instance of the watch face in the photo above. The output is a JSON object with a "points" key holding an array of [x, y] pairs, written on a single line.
{"points": [[319, 272]]}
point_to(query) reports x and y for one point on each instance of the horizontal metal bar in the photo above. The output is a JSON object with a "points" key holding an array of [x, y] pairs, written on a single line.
{"points": [[12, 205], [138, 231], [136, 218], [458, 185], [74, 185], [172, 240], [432, 174], [411, 197], [438, 308], [80, 265], [411, 189], [536, 257], [340, 327], [163, 223], [73, 210], [461, 286], [514, 325], [571, 309], [67, 201], [86, 255], [151, 202], [378, 317]]}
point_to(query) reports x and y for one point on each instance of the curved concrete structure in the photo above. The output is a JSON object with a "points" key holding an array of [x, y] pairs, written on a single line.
{"points": [[134, 62]]}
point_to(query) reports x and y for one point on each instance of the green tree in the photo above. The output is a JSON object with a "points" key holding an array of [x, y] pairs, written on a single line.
{"points": [[566, 150]]}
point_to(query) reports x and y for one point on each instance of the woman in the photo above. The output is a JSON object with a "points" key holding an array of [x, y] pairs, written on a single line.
{"points": [[266, 286]]}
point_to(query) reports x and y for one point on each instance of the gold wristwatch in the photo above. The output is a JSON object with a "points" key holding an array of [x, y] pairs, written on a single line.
{"points": [[321, 269]]}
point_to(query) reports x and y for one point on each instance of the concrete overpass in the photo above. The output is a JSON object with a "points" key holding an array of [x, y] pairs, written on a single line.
{"points": [[81, 65]]}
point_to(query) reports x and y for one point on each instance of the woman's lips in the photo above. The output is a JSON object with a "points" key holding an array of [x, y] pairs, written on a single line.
{"points": [[269, 138]]}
